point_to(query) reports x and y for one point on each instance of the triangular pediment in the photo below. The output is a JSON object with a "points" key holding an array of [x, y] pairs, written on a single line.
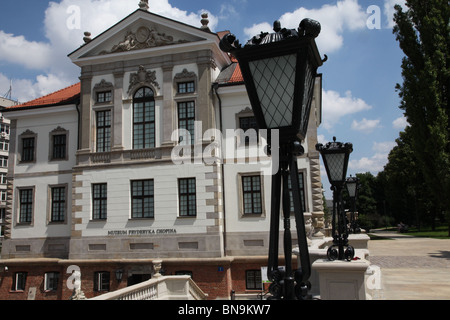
{"points": [[140, 31]]}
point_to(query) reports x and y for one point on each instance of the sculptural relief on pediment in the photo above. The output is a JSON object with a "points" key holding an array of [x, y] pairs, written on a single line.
{"points": [[143, 38]]}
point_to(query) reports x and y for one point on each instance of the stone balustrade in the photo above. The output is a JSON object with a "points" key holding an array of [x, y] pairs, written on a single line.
{"points": [[158, 288]]}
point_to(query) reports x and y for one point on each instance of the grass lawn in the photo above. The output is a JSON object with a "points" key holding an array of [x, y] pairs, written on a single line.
{"points": [[439, 233]]}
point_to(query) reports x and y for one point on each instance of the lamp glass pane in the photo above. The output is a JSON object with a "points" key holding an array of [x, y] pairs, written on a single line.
{"points": [[335, 164], [351, 188], [307, 97], [275, 83]]}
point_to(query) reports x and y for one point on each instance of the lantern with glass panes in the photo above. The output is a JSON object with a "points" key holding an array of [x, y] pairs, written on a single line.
{"points": [[335, 157], [279, 71], [352, 185]]}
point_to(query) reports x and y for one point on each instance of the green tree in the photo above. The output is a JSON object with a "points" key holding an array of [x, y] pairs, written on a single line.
{"points": [[423, 34], [404, 183]]}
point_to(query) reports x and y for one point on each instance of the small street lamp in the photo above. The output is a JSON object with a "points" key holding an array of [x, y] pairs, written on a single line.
{"points": [[279, 71], [353, 185], [335, 157], [119, 275]]}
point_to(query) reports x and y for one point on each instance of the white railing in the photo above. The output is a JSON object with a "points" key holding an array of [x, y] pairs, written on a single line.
{"points": [[158, 288]]}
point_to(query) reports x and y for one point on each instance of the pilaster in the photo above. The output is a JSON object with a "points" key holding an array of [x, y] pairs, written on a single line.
{"points": [[118, 107]]}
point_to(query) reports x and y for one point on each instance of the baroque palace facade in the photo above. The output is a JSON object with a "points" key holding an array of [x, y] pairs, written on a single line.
{"points": [[148, 157]]}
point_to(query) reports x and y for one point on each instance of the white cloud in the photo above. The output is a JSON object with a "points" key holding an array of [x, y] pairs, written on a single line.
{"points": [[336, 106], [389, 10], [375, 163], [334, 19], [321, 139], [28, 89], [18, 50], [400, 123], [365, 126]]}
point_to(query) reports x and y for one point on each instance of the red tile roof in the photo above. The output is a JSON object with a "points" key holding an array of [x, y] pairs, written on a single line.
{"points": [[237, 75], [63, 96]]}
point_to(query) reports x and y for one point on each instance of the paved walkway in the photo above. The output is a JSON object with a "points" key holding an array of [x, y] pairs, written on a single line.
{"points": [[411, 268]]}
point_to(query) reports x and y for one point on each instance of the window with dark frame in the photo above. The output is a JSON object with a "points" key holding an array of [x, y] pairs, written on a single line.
{"points": [[99, 198], [253, 280], [19, 281], [58, 207], [59, 146], [104, 96], [4, 162], [301, 186], [142, 199], [104, 131], [28, 145], [251, 191], [101, 281], [186, 87], [144, 135], [25, 205], [186, 120], [246, 123], [187, 197], [51, 280]]}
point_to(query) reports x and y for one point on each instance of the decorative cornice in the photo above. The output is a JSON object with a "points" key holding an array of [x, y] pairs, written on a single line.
{"points": [[185, 74], [103, 85], [142, 77]]}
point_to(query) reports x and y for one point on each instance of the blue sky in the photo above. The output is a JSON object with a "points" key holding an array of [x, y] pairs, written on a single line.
{"points": [[360, 104]]}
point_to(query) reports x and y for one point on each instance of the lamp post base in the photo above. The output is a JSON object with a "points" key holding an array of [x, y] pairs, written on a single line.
{"points": [[340, 242]]}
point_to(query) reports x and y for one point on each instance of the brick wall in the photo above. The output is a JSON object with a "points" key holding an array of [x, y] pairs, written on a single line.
{"points": [[217, 279]]}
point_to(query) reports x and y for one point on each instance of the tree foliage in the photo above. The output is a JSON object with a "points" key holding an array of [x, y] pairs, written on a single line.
{"points": [[423, 34]]}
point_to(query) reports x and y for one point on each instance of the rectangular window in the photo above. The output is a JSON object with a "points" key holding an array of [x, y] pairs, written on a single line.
{"points": [[4, 162], [186, 121], [99, 198], [246, 123], [25, 205], [142, 199], [19, 281], [59, 146], [144, 125], [253, 280], [251, 189], [58, 204], [301, 186], [51, 281], [4, 145], [186, 87], [104, 131], [4, 128], [28, 149], [187, 197], [3, 179], [105, 96], [101, 281]]}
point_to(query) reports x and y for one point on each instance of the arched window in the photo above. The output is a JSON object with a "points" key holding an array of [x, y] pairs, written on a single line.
{"points": [[144, 119]]}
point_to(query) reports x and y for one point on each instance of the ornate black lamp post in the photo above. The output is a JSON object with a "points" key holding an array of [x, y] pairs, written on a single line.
{"points": [[353, 185], [279, 71], [335, 157]]}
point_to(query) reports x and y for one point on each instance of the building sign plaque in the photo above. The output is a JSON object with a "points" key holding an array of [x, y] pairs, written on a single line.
{"points": [[141, 232]]}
